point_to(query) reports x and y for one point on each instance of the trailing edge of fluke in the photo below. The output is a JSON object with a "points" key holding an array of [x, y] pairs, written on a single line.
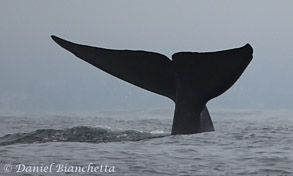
{"points": [[190, 79]]}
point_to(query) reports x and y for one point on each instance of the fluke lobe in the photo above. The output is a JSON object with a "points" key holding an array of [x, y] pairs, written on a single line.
{"points": [[190, 79]]}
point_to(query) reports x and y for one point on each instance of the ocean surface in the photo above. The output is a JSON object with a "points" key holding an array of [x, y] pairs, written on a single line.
{"points": [[126, 143]]}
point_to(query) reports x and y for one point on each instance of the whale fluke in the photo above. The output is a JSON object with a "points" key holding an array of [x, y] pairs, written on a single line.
{"points": [[190, 79]]}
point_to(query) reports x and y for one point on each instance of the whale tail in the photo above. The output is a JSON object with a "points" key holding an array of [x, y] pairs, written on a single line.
{"points": [[190, 79]]}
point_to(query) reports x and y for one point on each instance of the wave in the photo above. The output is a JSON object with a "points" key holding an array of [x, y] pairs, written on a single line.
{"points": [[79, 134]]}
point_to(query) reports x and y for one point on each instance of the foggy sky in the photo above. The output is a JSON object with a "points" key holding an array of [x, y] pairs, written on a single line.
{"points": [[37, 75]]}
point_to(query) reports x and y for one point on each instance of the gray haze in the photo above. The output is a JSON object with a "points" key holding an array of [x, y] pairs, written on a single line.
{"points": [[37, 75]]}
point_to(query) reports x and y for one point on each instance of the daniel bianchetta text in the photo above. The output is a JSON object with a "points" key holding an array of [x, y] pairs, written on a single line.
{"points": [[65, 168]]}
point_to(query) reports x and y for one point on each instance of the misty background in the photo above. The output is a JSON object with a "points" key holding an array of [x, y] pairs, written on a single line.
{"points": [[37, 75]]}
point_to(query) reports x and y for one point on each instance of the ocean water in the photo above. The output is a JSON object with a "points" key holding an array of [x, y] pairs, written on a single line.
{"points": [[126, 143]]}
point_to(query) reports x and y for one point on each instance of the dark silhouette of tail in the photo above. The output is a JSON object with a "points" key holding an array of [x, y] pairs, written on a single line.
{"points": [[190, 79]]}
